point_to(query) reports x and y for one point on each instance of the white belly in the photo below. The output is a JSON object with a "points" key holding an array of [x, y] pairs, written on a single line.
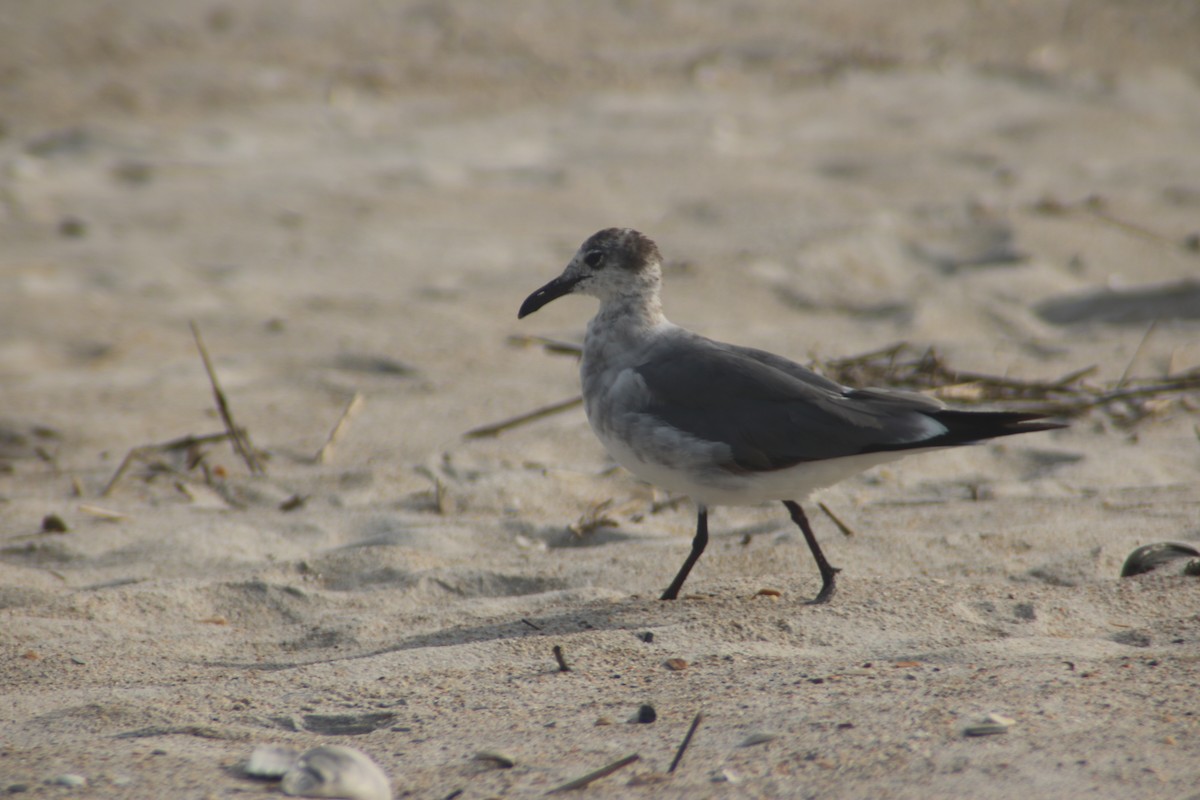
{"points": [[710, 485]]}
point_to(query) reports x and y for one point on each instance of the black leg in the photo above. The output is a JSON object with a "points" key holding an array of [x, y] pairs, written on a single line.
{"points": [[828, 573], [698, 545]]}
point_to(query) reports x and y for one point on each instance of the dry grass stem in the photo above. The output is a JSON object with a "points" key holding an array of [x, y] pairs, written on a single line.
{"points": [[545, 411], [841, 526], [902, 366], [239, 436], [593, 519], [603, 772], [687, 739], [558, 657], [144, 452], [554, 346], [325, 454]]}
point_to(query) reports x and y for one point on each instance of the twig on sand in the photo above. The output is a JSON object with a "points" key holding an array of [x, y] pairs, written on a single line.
{"points": [[101, 513], [687, 739], [562, 662], [241, 439], [441, 500], [494, 429], [1137, 354], [592, 519], [1096, 206], [355, 405], [901, 366], [841, 526], [553, 346], [603, 772], [143, 451]]}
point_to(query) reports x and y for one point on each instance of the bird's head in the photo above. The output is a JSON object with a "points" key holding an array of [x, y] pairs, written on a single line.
{"points": [[614, 263]]}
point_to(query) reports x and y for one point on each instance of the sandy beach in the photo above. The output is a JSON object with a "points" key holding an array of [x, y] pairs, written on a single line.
{"points": [[350, 201]]}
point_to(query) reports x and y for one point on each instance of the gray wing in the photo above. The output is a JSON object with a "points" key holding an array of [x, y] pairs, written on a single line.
{"points": [[774, 413]]}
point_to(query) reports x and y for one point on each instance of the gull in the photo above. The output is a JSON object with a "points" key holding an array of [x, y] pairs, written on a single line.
{"points": [[730, 425]]}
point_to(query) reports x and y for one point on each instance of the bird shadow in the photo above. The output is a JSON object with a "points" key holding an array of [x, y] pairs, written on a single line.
{"points": [[635, 614]]}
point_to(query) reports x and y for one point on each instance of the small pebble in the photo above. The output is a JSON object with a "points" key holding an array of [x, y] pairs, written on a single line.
{"points": [[1025, 611], [645, 715], [294, 502], [758, 738], [499, 760], [726, 776], [676, 664], [53, 523], [72, 228], [70, 780], [985, 729], [991, 725]]}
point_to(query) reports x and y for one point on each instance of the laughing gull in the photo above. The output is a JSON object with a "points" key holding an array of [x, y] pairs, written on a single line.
{"points": [[730, 425]]}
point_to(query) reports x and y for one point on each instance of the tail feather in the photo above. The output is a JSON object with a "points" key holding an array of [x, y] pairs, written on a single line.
{"points": [[968, 427]]}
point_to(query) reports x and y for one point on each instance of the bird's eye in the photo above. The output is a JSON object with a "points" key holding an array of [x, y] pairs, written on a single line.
{"points": [[594, 259]]}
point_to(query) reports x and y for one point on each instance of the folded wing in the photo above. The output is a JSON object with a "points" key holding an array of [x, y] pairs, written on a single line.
{"points": [[774, 413]]}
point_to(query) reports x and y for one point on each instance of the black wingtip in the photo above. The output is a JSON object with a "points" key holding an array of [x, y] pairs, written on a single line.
{"points": [[965, 427]]}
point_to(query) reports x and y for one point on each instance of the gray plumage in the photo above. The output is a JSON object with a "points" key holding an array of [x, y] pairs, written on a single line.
{"points": [[727, 424]]}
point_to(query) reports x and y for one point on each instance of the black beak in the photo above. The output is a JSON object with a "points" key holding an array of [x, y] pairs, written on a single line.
{"points": [[551, 291]]}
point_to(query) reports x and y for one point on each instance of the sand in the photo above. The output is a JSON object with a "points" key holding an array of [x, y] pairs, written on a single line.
{"points": [[353, 199]]}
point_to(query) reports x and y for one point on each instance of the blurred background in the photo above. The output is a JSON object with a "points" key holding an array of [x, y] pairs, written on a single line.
{"points": [[358, 194]]}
